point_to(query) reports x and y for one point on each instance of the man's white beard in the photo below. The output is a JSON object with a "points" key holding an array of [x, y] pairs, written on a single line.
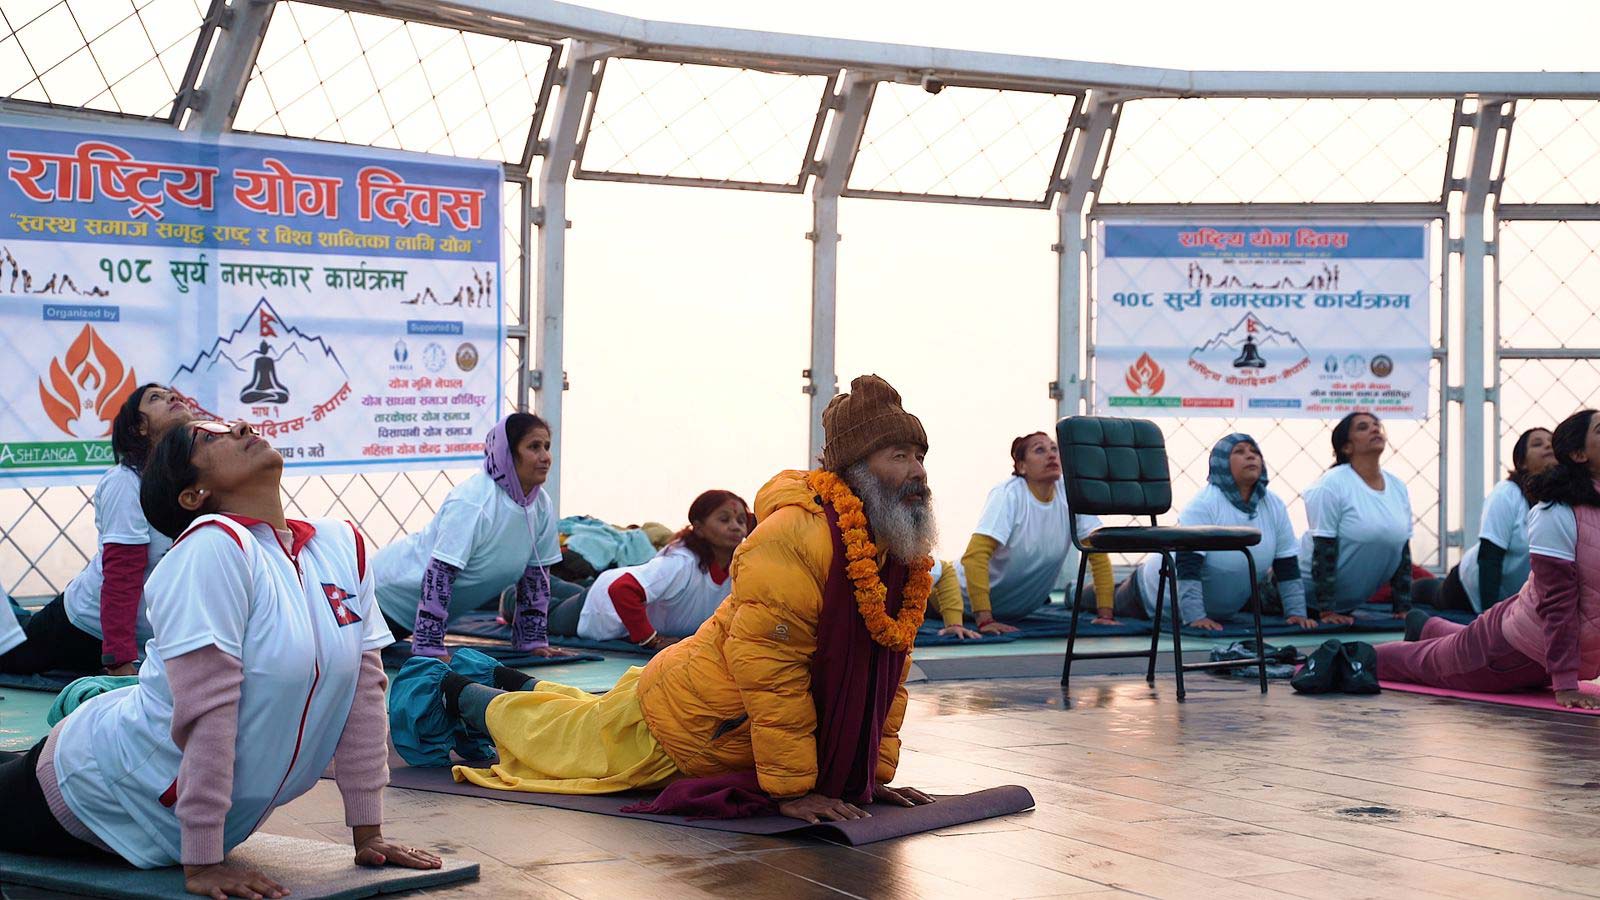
{"points": [[906, 530]]}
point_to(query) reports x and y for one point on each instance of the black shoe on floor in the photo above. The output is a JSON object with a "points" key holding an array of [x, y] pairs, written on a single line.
{"points": [[1415, 619]]}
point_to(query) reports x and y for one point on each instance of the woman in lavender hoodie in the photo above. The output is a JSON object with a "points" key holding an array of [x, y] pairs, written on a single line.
{"points": [[494, 531]]}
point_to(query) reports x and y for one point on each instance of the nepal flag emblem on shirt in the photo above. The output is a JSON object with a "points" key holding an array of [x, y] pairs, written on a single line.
{"points": [[337, 596]]}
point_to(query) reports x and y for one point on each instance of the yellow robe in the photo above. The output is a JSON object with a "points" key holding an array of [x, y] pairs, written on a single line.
{"points": [[556, 739]]}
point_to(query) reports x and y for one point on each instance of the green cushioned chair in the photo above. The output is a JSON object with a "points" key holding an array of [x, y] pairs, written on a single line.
{"points": [[1118, 467]]}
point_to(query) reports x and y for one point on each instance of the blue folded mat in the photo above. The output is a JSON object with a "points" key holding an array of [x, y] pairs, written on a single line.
{"points": [[396, 654], [1052, 621], [1242, 626], [928, 636], [47, 682], [486, 625]]}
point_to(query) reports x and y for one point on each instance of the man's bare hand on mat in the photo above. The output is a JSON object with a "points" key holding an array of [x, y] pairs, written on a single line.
{"points": [[1302, 622], [127, 668], [1577, 700], [1206, 623], [1105, 616], [223, 880], [1333, 618], [900, 796], [373, 850], [659, 641], [960, 631], [815, 808]]}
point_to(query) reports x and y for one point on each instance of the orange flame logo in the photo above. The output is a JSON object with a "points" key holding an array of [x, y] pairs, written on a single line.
{"points": [[86, 386], [1145, 378]]}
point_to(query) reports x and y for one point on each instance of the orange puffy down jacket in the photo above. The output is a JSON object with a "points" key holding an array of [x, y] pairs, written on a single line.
{"points": [[736, 695]]}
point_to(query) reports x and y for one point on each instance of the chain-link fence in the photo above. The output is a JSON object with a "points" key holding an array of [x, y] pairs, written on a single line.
{"points": [[608, 98]]}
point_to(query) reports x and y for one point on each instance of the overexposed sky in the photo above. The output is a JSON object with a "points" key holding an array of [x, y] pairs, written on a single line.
{"points": [[1385, 35]]}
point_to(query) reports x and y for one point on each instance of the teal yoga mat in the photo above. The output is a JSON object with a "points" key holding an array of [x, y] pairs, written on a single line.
{"points": [[311, 870]]}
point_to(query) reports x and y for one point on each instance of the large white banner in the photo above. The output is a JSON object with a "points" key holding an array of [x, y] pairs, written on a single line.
{"points": [[346, 302], [1281, 320]]}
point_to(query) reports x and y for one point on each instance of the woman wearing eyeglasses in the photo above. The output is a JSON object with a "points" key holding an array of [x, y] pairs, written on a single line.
{"points": [[264, 668], [98, 622]]}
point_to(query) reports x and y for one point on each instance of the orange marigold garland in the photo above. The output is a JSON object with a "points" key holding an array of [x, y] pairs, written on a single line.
{"points": [[872, 598]]}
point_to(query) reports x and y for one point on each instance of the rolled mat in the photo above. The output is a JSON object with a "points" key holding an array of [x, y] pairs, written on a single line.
{"points": [[48, 682], [486, 625], [885, 822], [1540, 699], [1378, 617], [309, 869], [396, 654]]}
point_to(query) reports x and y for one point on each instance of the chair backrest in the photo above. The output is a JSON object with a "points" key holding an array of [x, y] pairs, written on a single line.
{"points": [[1114, 466]]}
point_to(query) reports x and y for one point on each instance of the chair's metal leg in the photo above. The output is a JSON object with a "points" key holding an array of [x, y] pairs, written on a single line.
{"points": [[1255, 603], [1155, 622], [1072, 609], [1177, 624]]}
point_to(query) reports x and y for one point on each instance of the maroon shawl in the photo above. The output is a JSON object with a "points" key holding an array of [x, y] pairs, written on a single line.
{"points": [[853, 683]]}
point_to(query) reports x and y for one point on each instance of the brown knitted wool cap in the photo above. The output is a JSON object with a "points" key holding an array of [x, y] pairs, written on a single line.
{"points": [[867, 418]]}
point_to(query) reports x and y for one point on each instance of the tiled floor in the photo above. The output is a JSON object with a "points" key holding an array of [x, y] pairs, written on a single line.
{"points": [[1229, 795]]}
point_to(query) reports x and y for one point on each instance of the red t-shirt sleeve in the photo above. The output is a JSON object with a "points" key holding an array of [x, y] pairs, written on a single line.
{"points": [[122, 567], [627, 596]]}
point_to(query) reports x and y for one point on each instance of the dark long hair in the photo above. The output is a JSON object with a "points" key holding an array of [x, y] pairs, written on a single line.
{"points": [[168, 472], [1019, 449], [702, 507], [1567, 481], [519, 424], [1341, 435], [129, 447], [1518, 475]]}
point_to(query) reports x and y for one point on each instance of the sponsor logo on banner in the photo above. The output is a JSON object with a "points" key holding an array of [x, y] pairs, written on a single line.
{"points": [[1382, 366], [402, 358], [85, 386], [467, 357], [433, 356]]}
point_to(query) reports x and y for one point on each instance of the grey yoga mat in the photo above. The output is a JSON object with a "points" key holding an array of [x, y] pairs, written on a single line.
{"points": [[309, 869], [886, 821]]}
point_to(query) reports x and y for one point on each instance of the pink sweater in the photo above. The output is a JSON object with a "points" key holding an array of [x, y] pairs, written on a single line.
{"points": [[206, 687]]}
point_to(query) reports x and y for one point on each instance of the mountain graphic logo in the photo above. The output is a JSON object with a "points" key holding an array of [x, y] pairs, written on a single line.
{"points": [[265, 361], [1250, 344]]}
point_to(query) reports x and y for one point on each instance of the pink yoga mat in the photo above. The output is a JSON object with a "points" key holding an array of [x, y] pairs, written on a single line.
{"points": [[1540, 699]]}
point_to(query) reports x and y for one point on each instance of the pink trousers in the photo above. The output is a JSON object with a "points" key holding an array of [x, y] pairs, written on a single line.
{"points": [[1473, 657]]}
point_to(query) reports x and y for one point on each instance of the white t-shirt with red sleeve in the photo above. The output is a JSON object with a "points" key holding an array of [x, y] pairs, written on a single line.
{"points": [[679, 596], [298, 617]]}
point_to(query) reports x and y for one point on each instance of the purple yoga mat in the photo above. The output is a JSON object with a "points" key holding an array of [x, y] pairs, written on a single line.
{"points": [[1525, 699], [886, 821]]}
